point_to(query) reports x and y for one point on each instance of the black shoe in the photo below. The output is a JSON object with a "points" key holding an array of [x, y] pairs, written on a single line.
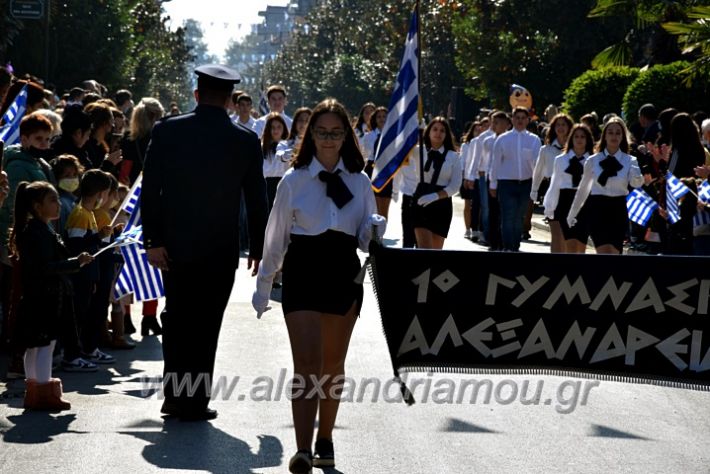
{"points": [[128, 327], [526, 236], [184, 414], [150, 324], [301, 462], [324, 455]]}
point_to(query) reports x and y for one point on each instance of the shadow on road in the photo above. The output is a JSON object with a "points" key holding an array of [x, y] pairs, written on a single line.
{"points": [[37, 427], [200, 446]]}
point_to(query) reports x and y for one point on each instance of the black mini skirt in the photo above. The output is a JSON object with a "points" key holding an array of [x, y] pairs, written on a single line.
{"points": [[608, 220], [581, 230], [435, 217], [319, 274]]}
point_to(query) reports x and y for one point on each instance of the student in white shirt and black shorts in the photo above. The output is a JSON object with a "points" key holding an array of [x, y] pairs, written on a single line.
{"points": [[441, 179], [567, 172], [275, 130], [604, 186], [322, 214]]}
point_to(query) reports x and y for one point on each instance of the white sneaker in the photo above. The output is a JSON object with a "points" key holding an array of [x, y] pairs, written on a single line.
{"points": [[468, 234], [476, 235]]}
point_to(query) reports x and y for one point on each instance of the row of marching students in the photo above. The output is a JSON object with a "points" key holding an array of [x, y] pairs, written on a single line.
{"points": [[590, 182]]}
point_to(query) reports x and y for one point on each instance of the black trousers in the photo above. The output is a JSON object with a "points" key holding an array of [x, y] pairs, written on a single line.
{"points": [[409, 240], [196, 296], [271, 185]]}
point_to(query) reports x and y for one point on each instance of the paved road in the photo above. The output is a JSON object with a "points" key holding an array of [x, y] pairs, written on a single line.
{"points": [[115, 425]]}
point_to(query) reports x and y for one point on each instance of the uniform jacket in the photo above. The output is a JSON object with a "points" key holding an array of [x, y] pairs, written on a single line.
{"points": [[196, 167]]}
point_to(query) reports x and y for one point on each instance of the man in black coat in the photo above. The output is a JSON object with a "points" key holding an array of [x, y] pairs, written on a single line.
{"points": [[196, 167]]}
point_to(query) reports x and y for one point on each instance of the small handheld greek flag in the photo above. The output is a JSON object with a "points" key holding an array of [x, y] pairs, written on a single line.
{"points": [[704, 192], [701, 218], [10, 132], [137, 276], [640, 206], [675, 190]]}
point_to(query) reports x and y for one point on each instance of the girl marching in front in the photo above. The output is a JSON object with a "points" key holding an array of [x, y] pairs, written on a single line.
{"points": [[323, 212], [442, 175], [46, 289], [604, 186], [275, 130], [566, 176]]}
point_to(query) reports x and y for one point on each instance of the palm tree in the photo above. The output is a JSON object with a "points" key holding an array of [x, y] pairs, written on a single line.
{"points": [[694, 37], [646, 42]]}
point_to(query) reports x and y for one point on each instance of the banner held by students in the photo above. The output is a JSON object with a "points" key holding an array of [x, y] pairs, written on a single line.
{"points": [[630, 318]]}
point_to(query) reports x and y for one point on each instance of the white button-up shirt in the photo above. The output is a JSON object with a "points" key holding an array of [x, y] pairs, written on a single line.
{"points": [[513, 157], [302, 207], [368, 144], [450, 176], [559, 180], [260, 123], [629, 175], [249, 124], [476, 152], [543, 166], [275, 165]]}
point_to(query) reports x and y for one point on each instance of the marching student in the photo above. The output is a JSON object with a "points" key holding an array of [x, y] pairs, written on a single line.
{"points": [[243, 116], [490, 214], [286, 148], [469, 193], [433, 208], [370, 143], [362, 126], [275, 167], [46, 289], [323, 212], [607, 176], [555, 141], [566, 176], [276, 95], [512, 163]]}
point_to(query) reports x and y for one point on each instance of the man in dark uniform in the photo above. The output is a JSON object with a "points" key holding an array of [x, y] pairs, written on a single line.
{"points": [[196, 167]]}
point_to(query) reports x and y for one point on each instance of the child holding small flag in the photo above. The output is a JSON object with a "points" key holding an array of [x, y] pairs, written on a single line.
{"points": [[46, 289]]}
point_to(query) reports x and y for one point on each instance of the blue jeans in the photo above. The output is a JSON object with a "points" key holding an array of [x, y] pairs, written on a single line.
{"points": [[483, 190], [513, 197]]}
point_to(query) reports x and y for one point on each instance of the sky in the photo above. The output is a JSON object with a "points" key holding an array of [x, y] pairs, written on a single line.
{"points": [[221, 19]]}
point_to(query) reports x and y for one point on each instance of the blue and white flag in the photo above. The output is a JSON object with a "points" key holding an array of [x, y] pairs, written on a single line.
{"points": [[675, 190], [401, 131], [640, 206], [137, 276], [701, 218], [704, 192], [263, 104], [10, 131]]}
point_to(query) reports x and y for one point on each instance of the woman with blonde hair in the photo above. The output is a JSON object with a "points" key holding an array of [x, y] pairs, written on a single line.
{"points": [[135, 140]]}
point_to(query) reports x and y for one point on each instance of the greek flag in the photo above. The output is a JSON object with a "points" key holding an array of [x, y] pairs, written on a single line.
{"points": [[704, 192], [263, 104], [137, 276], [701, 218], [10, 132], [675, 190], [640, 206], [401, 131]]}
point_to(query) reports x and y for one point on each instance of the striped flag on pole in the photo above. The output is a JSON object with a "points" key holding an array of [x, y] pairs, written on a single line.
{"points": [[675, 190], [701, 218], [137, 276], [640, 206], [10, 131], [263, 104], [401, 131]]}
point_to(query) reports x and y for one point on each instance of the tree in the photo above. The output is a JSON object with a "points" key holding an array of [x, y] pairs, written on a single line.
{"points": [[694, 37], [645, 42], [541, 45]]}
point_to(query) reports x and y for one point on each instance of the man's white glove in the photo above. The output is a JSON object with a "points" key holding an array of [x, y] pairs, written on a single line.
{"points": [[378, 224], [428, 199], [550, 215], [571, 221]]}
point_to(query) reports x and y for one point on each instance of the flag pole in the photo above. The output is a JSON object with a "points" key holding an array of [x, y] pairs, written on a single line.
{"points": [[419, 88]]}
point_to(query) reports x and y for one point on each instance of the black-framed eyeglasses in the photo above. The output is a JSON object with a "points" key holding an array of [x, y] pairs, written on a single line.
{"points": [[334, 135]]}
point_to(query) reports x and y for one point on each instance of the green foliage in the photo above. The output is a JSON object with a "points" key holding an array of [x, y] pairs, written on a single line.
{"points": [[120, 43], [540, 45], [356, 56], [600, 90], [664, 87], [694, 37]]}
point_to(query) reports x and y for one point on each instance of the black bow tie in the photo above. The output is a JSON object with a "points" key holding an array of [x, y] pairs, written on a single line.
{"points": [[335, 188], [576, 169], [557, 146], [435, 157], [610, 167]]}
